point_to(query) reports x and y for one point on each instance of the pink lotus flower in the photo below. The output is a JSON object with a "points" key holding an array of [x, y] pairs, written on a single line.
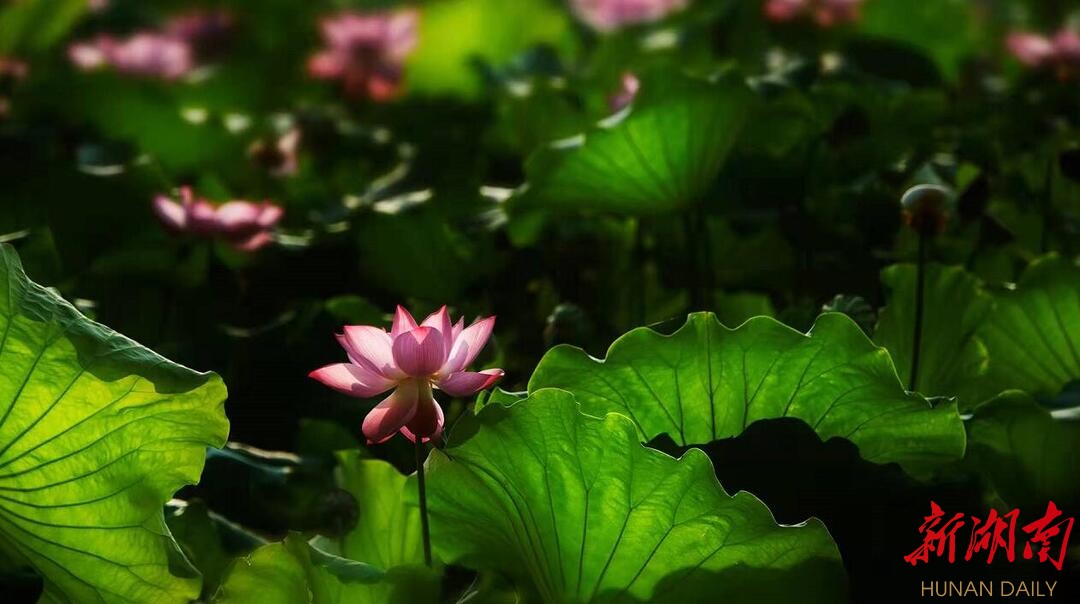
{"points": [[144, 53], [169, 53], [1060, 53], [366, 52], [609, 15], [826, 13], [243, 224], [411, 360], [627, 92]]}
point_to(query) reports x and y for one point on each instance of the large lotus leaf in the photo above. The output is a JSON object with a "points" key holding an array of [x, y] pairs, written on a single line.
{"points": [[1033, 332], [575, 507], [96, 433], [387, 532], [944, 30], [1029, 454], [294, 572], [951, 357], [706, 382], [658, 156]]}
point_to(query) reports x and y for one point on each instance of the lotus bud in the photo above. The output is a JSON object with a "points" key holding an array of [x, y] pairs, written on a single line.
{"points": [[926, 208]]}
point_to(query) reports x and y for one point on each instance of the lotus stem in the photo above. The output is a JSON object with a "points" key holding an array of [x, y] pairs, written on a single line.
{"points": [[422, 492], [920, 282]]}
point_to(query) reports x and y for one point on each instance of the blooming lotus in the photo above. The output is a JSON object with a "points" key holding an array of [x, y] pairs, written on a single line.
{"points": [[410, 360], [245, 225], [609, 15], [825, 13], [366, 52], [1060, 53]]}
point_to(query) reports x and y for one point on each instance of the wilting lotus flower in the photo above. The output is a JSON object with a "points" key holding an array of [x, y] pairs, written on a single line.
{"points": [[243, 224], [628, 89], [366, 52], [609, 15], [144, 53], [825, 13], [1060, 53], [411, 360]]}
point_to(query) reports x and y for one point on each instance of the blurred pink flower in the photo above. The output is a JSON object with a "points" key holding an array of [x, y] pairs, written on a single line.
{"points": [[144, 53], [609, 15], [628, 89], [245, 225], [826, 13], [279, 157], [1060, 53], [169, 53], [366, 52], [411, 360]]}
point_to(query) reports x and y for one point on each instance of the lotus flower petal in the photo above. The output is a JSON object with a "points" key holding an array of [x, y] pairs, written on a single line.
{"points": [[440, 320], [468, 383], [419, 352], [403, 321], [353, 380], [372, 347], [392, 414], [468, 345], [427, 424], [171, 214]]}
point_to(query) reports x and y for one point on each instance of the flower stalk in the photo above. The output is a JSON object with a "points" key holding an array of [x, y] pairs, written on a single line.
{"points": [[421, 456]]}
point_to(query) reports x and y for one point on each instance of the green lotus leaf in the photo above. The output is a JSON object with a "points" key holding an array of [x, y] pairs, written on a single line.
{"points": [[707, 382], [951, 356], [946, 31], [576, 508], [295, 572], [1033, 332], [96, 434], [387, 532], [1029, 454], [658, 156]]}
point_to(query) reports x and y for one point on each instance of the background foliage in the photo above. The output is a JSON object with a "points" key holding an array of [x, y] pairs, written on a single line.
{"points": [[719, 272]]}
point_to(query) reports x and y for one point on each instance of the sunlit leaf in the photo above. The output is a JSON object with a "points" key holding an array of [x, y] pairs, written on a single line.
{"points": [[1033, 332], [950, 355], [659, 156], [294, 572], [97, 433], [387, 533], [575, 507], [457, 34], [707, 382]]}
